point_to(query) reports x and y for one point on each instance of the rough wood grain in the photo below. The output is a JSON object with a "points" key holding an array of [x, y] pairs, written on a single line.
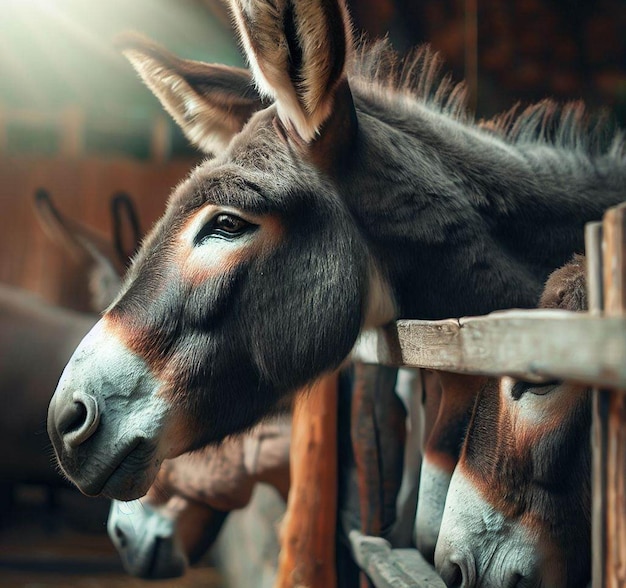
{"points": [[378, 431], [307, 557], [593, 252], [393, 568], [528, 344], [614, 418]]}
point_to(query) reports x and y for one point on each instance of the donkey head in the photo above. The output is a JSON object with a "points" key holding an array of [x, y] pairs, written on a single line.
{"points": [[255, 281]]}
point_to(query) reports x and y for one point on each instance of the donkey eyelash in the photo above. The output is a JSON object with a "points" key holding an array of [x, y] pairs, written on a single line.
{"points": [[521, 387], [224, 226]]}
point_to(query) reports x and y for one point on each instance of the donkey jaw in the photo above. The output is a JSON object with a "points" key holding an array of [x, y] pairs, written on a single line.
{"points": [[128, 477], [108, 441]]}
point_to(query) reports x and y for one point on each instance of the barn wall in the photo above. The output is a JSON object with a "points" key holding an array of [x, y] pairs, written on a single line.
{"points": [[82, 189]]}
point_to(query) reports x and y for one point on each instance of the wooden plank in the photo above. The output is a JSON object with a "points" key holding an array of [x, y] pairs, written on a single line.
{"points": [[614, 418], [527, 344], [471, 52], [307, 557], [593, 252], [392, 568], [593, 257]]}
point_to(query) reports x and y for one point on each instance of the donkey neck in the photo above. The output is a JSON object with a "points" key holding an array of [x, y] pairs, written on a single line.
{"points": [[485, 219]]}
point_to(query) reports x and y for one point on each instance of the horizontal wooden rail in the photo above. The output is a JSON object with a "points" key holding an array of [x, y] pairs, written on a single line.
{"points": [[527, 344], [392, 568]]}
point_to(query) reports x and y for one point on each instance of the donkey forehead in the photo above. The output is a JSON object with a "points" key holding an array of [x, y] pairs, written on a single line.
{"points": [[226, 185], [259, 183]]}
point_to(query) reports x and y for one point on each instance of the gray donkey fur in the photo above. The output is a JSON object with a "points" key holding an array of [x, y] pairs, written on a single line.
{"points": [[469, 217]]}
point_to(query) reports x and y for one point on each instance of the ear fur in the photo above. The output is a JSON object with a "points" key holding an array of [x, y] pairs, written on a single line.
{"points": [[297, 50], [211, 103]]}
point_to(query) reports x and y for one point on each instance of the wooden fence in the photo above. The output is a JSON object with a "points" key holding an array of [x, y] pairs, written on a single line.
{"points": [[585, 348]]}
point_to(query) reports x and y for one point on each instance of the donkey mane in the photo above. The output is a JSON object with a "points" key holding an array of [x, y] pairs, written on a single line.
{"points": [[417, 80]]}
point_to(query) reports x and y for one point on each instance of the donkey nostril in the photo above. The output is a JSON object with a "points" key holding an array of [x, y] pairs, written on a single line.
{"points": [[79, 420], [457, 578], [72, 417], [515, 581], [452, 575]]}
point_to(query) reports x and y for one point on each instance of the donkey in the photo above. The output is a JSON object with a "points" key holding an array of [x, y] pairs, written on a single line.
{"points": [[37, 338], [348, 189], [518, 511], [182, 513]]}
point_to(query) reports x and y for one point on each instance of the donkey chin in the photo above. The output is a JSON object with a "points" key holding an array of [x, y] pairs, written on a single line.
{"points": [[109, 448]]}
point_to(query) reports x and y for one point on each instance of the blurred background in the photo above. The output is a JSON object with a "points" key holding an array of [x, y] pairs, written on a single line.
{"points": [[76, 122]]}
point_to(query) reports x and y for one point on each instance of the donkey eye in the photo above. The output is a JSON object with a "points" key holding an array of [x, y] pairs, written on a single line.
{"points": [[537, 388], [225, 226], [230, 224]]}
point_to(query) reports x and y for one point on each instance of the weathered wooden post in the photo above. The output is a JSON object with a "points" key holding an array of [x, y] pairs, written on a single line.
{"points": [[606, 270], [378, 432], [307, 558], [611, 412]]}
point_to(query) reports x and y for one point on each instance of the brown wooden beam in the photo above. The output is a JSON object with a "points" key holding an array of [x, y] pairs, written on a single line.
{"points": [[611, 411], [307, 557], [378, 432], [593, 252]]}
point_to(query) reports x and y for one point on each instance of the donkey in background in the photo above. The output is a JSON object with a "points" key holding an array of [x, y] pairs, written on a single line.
{"points": [[37, 338], [518, 509], [352, 190], [180, 517]]}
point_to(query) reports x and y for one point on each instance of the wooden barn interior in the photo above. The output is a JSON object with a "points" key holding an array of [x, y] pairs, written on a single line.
{"points": [[76, 122]]}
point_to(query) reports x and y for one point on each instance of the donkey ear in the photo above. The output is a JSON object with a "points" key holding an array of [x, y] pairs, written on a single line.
{"points": [[125, 227], [211, 103], [297, 50], [86, 246]]}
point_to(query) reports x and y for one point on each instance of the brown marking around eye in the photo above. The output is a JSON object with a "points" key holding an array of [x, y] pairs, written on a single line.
{"points": [[554, 409], [219, 258]]}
